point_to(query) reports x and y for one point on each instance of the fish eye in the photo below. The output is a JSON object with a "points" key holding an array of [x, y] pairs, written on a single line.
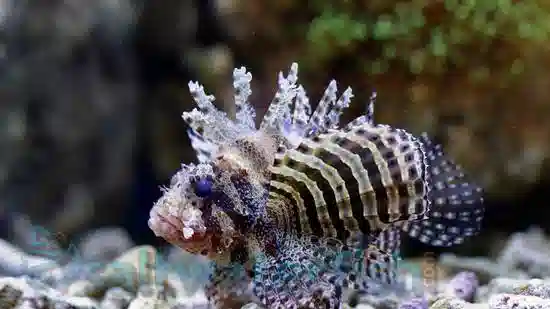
{"points": [[203, 187]]}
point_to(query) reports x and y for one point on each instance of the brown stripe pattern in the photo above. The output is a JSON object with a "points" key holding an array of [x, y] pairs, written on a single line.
{"points": [[348, 183]]}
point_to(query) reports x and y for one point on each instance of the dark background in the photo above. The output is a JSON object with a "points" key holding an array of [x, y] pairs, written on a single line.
{"points": [[92, 95]]}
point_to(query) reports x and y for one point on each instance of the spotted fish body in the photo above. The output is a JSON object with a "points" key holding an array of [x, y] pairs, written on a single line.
{"points": [[295, 211]]}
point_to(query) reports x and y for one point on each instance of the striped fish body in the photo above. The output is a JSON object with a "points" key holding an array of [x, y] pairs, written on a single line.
{"points": [[301, 209], [328, 192], [349, 183]]}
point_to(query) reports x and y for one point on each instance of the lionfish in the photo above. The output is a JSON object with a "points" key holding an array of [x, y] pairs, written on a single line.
{"points": [[304, 207]]}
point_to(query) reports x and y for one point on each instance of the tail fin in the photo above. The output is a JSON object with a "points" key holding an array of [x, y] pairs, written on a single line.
{"points": [[457, 204]]}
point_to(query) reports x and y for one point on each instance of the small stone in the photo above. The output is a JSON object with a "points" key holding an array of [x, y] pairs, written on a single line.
{"points": [[532, 287], [446, 302], [415, 303], [251, 306], [26, 293], [116, 298], [14, 262], [9, 296], [105, 244], [163, 292], [511, 301], [141, 302], [81, 288], [527, 251], [79, 302], [364, 306], [535, 287], [21, 287], [381, 301], [38, 302], [195, 301], [464, 286], [132, 269], [62, 305], [485, 269]]}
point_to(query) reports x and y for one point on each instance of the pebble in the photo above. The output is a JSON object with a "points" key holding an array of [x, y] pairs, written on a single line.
{"points": [[463, 286], [78, 302], [364, 306], [529, 251], [82, 288], [24, 292], [15, 262], [116, 298], [455, 303], [385, 301], [446, 302], [251, 306], [415, 303], [64, 276], [149, 302], [105, 244], [484, 268], [532, 287], [109, 284], [132, 269], [140, 278], [197, 300], [511, 301]]}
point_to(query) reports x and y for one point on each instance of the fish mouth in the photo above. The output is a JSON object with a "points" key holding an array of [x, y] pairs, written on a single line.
{"points": [[188, 237]]}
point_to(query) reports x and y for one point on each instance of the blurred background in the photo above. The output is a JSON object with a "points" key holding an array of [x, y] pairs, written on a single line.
{"points": [[91, 94]]}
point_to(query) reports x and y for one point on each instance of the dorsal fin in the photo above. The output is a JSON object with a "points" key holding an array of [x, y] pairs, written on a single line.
{"points": [[204, 149]]}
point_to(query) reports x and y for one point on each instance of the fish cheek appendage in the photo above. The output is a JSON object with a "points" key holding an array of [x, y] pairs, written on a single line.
{"points": [[293, 212]]}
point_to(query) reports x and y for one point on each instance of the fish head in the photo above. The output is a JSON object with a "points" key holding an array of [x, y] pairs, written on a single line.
{"points": [[210, 207], [186, 215]]}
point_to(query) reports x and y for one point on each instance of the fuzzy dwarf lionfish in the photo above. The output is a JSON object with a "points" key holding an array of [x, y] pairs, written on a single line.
{"points": [[307, 208]]}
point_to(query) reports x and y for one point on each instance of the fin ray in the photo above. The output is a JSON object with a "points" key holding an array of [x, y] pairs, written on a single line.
{"points": [[204, 149], [457, 209]]}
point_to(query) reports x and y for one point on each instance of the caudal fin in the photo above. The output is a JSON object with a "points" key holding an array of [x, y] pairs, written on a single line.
{"points": [[457, 207]]}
